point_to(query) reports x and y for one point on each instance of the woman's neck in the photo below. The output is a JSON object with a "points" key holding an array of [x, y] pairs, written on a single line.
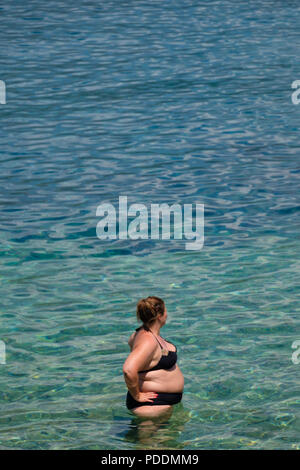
{"points": [[155, 328]]}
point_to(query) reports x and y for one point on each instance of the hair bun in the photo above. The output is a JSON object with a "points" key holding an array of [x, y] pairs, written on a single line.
{"points": [[149, 309]]}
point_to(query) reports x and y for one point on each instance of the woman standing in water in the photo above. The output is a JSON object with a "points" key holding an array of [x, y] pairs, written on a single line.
{"points": [[153, 378]]}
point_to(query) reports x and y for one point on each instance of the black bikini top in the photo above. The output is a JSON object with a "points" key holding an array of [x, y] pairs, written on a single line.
{"points": [[165, 362]]}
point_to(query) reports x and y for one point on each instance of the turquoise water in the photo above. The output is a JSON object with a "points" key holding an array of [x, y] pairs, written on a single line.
{"points": [[178, 101]]}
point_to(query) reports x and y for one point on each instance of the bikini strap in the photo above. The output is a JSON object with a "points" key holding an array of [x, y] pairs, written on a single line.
{"points": [[171, 343], [148, 329], [157, 339]]}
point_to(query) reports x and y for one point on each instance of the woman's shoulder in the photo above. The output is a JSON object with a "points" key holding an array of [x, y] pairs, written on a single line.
{"points": [[141, 336], [131, 339]]}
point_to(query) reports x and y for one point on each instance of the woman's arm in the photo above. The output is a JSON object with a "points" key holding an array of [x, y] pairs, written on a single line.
{"points": [[132, 381], [137, 360]]}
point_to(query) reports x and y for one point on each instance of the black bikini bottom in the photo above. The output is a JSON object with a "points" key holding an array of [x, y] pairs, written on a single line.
{"points": [[161, 399]]}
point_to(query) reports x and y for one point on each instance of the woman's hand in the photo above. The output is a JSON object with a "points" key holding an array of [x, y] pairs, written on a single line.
{"points": [[146, 396]]}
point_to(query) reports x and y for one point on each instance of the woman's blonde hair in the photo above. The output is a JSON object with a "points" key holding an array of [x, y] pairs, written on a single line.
{"points": [[148, 310]]}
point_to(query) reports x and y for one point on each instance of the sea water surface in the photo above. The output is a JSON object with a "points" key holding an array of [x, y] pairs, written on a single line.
{"points": [[177, 102]]}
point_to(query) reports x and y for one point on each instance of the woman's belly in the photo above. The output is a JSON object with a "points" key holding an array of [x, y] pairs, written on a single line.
{"points": [[168, 381]]}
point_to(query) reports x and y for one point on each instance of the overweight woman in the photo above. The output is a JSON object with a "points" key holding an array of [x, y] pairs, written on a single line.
{"points": [[151, 373]]}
